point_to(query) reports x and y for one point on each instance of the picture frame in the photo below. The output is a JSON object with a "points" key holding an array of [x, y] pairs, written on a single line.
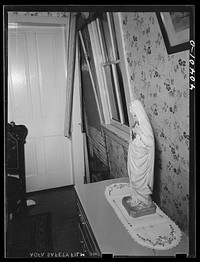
{"points": [[175, 28]]}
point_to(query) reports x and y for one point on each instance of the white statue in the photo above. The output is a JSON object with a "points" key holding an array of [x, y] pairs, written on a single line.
{"points": [[140, 163]]}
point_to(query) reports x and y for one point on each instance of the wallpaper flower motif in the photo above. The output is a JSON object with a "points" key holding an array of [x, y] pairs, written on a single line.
{"points": [[160, 81]]}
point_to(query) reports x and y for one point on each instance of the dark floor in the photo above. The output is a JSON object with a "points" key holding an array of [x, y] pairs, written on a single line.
{"points": [[61, 202]]}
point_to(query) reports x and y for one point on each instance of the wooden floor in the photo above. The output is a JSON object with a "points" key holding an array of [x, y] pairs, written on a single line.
{"points": [[61, 203]]}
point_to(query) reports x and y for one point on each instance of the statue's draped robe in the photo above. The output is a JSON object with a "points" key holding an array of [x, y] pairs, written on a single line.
{"points": [[141, 156]]}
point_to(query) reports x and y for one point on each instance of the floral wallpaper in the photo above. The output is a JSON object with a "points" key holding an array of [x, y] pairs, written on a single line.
{"points": [[161, 82], [48, 14]]}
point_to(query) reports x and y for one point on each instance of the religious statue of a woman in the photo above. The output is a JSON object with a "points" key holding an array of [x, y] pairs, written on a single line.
{"points": [[140, 163]]}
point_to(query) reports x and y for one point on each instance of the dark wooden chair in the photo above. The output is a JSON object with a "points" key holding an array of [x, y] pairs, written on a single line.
{"points": [[15, 170]]}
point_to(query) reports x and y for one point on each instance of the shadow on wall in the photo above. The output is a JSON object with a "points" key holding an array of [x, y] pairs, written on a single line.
{"points": [[98, 170], [157, 174]]}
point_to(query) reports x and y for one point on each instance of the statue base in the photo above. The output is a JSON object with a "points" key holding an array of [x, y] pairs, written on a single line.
{"points": [[135, 212]]}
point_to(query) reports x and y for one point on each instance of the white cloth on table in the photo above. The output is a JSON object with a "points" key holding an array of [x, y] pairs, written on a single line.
{"points": [[155, 231]]}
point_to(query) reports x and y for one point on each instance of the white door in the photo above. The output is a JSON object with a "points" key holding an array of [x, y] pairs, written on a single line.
{"points": [[36, 99]]}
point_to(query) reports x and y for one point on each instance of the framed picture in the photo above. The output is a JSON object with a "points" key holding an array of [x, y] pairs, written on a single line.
{"points": [[175, 28]]}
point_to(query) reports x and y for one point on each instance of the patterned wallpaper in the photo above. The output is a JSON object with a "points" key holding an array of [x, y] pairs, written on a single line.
{"points": [[161, 82], [48, 14]]}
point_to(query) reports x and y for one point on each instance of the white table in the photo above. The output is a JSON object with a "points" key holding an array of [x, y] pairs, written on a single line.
{"points": [[109, 232]]}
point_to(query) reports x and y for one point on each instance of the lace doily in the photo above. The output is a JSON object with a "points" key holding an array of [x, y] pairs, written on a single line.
{"points": [[156, 231]]}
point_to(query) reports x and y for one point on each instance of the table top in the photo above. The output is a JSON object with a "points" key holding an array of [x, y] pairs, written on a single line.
{"points": [[111, 235]]}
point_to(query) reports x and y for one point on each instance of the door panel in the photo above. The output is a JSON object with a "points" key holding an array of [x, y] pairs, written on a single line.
{"points": [[19, 76], [48, 79], [37, 84], [53, 161]]}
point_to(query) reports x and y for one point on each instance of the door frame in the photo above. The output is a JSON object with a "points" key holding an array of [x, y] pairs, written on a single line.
{"points": [[26, 20], [14, 21]]}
